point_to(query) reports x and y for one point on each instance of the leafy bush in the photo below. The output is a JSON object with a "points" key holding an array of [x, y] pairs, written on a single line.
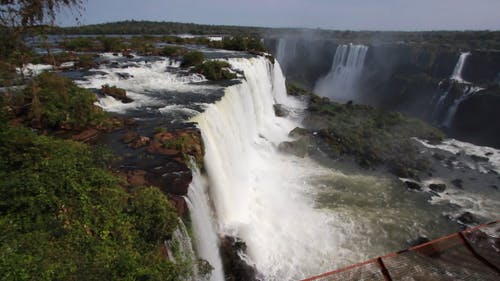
{"points": [[111, 44], [154, 215], [172, 51], [86, 60], [64, 217], [215, 70], [192, 58], [238, 43], [59, 103], [79, 44]]}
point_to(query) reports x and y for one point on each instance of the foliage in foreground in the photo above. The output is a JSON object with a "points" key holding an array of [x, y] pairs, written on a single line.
{"points": [[54, 102], [64, 217]]}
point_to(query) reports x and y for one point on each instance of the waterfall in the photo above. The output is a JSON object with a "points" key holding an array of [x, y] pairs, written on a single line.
{"points": [[184, 248], [347, 65], [207, 242], [450, 115], [286, 51], [457, 71], [260, 195], [455, 78]]}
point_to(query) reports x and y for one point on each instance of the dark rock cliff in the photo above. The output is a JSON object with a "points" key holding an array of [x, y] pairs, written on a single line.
{"points": [[405, 77]]}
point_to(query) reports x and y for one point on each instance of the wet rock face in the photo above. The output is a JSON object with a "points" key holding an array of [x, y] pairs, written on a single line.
{"points": [[419, 240], [235, 268], [482, 66], [298, 147], [117, 93], [413, 185], [178, 144], [468, 218], [160, 159], [472, 121], [280, 110], [437, 187]]}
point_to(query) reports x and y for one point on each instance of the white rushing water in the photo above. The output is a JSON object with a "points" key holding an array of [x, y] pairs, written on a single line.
{"points": [[297, 217], [286, 51], [457, 71], [259, 194], [207, 241], [469, 90], [340, 82], [181, 244]]}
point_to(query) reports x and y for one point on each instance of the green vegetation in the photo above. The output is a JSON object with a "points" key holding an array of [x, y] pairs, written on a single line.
{"points": [[172, 51], [58, 103], [427, 39], [79, 44], [371, 135], [238, 43], [215, 70], [192, 58], [212, 70], [64, 217], [111, 44], [151, 27]]}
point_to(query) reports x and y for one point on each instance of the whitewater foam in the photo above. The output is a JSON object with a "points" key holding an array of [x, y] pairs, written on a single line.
{"points": [[275, 202], [146, 82]]}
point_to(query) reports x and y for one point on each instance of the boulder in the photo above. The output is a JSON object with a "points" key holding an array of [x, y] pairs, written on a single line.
{"points": [[173, 177], [437, 187], [115, 92], [468, 218], [478, 158], [298, 147], [419, 240], [412, 185], [280, 110], [235, 268], [139, 142], [298, 132]]}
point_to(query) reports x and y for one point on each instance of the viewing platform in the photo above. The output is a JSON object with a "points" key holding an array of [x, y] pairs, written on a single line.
{"points": [[472, 254]]}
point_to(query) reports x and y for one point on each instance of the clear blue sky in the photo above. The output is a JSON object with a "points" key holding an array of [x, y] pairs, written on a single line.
{"points": [[329, 14]]}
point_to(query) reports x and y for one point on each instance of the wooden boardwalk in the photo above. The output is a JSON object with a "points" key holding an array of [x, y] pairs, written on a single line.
{"points": [[472, 254]]}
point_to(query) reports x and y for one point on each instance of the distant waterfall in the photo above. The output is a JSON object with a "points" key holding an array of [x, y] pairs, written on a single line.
{"points": [[340, 82], [207, 241], [438, 115], [450, 115], [286, 51], [457, 71]]}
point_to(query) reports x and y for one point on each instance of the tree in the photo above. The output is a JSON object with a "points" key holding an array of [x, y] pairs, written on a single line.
{"points": [[27, 13], [17, 17]]}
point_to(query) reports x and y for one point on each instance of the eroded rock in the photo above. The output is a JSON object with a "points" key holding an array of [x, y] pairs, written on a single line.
{"points": [[235, 268], [437, 187], [412, 185]]}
